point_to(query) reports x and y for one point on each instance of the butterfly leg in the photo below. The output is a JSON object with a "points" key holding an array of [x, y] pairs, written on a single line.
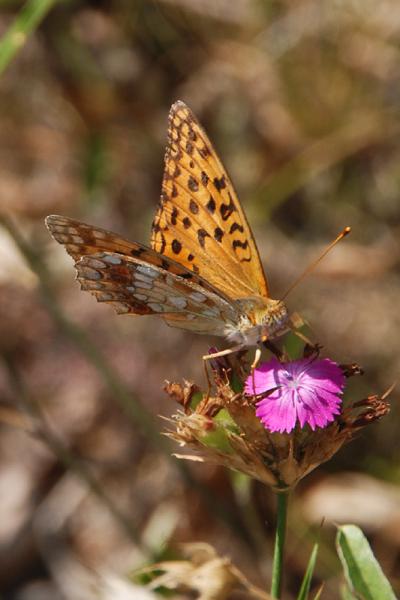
{"points": [[208, 379], [223, 352], [254, 364]]}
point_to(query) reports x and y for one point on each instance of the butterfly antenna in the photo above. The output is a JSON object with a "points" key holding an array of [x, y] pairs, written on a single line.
{"points": [[311, 267]]}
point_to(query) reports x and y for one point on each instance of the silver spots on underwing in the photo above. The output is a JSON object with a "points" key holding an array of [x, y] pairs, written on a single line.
{"points": [[97, 264], [198, 297], [87, 272], [141, 297], [147, 271], [178, 302], [104, 296], [155, 307], [112, 259]]}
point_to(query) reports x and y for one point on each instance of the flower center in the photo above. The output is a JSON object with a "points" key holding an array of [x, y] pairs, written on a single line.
{"points": [[291, 382]]}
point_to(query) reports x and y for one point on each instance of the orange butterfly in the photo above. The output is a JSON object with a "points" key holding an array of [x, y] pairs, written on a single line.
{"points": [[203, 272]]}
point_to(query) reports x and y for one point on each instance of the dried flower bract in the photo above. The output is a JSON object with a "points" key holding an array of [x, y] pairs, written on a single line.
{"points": [[212, 576], [221, 427]]}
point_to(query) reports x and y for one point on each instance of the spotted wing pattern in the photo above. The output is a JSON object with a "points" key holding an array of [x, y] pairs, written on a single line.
{"points": [[80, 239], [200, 222], [133, 286], [137, 280]]}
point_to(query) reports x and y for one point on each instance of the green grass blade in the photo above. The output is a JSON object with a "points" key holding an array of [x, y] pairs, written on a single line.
{"points": [[363, 573], [319, 592], [24, 24], [306, 583]]}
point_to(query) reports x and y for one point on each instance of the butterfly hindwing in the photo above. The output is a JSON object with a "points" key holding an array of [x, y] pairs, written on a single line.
{"points": [[80, 239], [132, 286], [200, 222]]}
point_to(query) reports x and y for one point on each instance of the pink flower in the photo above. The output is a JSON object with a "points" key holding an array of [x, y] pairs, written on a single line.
{"points": [[307, 390]]}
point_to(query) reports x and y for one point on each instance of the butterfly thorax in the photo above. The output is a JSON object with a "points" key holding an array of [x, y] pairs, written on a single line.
{"points": [[260, 319]]}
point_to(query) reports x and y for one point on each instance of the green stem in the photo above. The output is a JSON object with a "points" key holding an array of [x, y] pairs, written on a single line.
{"points": [[277, 565], [24, 24]]}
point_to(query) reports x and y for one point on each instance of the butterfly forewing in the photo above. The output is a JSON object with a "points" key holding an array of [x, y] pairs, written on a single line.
{"points": [[200, 222]]}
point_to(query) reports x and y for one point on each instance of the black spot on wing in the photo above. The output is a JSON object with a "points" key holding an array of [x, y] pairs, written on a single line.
{"points": [[163, 243], [176, 246], [202, 234], [211, 205], [186, 222], [204, 178], [193, 184], [239, 244], [193, 206], [218, 234], [204, 151], [174, 215], [136, 252], [236, 227], [244, 245], [227, 209], [220, 183]]}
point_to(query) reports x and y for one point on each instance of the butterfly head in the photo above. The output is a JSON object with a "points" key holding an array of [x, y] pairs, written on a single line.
{"points": [[260, 319]]}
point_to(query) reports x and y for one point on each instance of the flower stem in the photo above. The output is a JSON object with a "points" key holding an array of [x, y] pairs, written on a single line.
{"points": [[277, 565]]}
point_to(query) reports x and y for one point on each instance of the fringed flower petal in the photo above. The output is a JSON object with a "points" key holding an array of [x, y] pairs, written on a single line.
{"points": [[304, 390]]}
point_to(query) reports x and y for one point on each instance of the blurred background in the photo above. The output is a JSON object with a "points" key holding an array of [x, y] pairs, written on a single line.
{"points": [[301, 100]]}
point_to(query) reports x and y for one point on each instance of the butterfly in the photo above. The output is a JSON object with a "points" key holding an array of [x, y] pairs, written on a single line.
{"points": [[203, 272]]}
